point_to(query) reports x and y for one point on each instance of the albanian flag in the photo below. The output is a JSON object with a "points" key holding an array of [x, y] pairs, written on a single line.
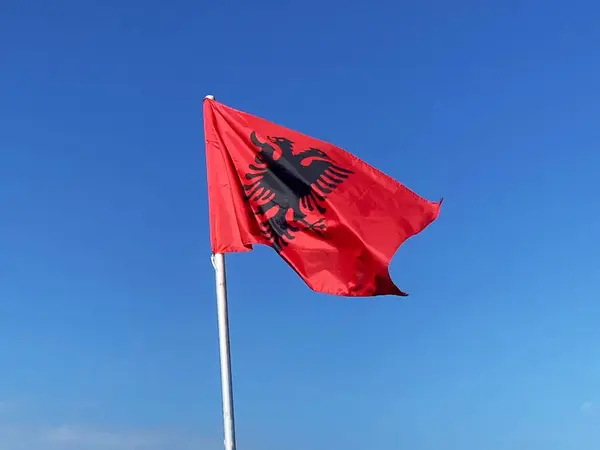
{"points": [[333, 218]]}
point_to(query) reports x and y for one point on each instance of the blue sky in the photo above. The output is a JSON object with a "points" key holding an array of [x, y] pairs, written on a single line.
{"points": [[108, 337]]}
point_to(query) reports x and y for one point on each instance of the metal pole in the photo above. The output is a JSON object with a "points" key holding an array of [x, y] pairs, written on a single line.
{"points": [[218, 260]]}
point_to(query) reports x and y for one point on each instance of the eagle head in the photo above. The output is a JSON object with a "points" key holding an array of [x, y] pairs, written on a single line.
{"points": [[268, 151], [284, 144]]}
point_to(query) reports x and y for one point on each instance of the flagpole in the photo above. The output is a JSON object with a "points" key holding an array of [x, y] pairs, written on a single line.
{"points": [[225, 355], [218, 261]]}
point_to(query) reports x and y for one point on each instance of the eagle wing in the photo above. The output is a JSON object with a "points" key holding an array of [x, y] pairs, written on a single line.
{"points": [[323, 175], [256, 189]]}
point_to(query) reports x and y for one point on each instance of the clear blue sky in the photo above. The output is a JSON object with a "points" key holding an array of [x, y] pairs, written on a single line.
{"points": [[108, 337]]}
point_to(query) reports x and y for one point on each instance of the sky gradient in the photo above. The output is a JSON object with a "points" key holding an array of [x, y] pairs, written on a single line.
{"points": [[108, 334]]}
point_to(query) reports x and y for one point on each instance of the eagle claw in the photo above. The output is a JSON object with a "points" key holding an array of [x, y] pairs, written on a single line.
{"points": [[317, 226]]}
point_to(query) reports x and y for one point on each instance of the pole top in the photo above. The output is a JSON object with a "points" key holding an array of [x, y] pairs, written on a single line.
{"points": [[209, 97]]}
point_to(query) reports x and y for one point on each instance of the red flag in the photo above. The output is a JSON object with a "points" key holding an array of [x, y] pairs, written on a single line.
{"points": [[333, 218]]}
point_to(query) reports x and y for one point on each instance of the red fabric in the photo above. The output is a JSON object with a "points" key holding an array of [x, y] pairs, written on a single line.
{"points": [[368, 215]]}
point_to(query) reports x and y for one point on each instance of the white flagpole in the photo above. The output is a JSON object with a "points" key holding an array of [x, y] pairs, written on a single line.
{"points": [[218, 261], [226, 384]]}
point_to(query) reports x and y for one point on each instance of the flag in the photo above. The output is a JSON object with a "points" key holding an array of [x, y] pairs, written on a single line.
{"points": [[333, 218]]}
